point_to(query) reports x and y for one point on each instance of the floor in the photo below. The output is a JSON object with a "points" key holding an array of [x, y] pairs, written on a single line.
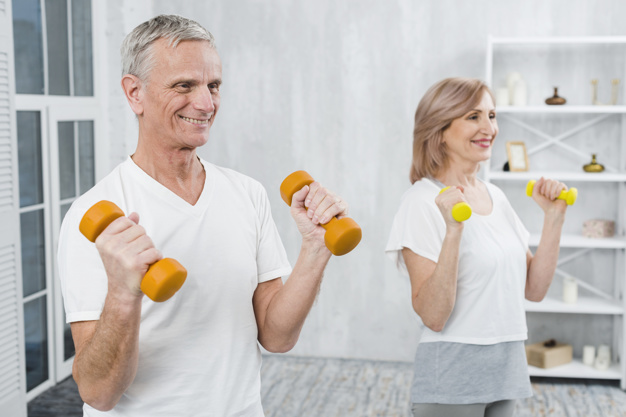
{"points": [[315, 387]]}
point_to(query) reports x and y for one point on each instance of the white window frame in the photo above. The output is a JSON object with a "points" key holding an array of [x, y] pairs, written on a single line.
{"points": [[53, 109]]}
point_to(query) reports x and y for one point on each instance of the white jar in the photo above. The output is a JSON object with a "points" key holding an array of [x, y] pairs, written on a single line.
{"points": [[589, 355], [570, 290]]}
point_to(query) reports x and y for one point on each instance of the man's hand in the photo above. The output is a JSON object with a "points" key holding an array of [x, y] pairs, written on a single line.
{"points": [[314, 205], [127, 253]]}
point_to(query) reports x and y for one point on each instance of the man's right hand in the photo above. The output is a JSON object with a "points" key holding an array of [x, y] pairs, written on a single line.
{"points": [[127, 252]]}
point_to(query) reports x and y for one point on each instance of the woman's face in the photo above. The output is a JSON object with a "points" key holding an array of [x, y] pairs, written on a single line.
{"points": [[470, 137]]}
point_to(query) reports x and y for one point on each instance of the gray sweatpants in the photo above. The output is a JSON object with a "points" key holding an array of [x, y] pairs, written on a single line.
{"points": [[503, 408]]}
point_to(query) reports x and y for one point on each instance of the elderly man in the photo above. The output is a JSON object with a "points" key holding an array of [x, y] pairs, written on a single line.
{"points": [[197, 353]]}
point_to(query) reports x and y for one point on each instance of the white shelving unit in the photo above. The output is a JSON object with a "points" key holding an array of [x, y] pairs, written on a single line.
{"points": [[591, 301]]}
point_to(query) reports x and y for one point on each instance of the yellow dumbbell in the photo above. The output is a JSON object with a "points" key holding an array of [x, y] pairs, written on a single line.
{"points": [[461, 211], [569, 196]]}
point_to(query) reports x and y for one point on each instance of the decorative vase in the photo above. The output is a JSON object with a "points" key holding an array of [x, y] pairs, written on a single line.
{"points": [[593, 166], [555, 99]]}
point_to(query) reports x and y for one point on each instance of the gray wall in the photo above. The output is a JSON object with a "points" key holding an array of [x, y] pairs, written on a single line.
{"points": [[331, 87]]}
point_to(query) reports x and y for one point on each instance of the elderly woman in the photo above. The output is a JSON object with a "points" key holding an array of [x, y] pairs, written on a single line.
{"points": [[469, 279]]}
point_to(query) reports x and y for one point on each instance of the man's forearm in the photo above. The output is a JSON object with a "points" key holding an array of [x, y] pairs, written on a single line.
{"points": [[106, 364], [290, 306]]}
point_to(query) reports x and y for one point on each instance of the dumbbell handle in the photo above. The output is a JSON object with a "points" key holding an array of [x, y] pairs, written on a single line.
{"points": [[163, 277], [569, 196], [342, 235], [461, 211]]}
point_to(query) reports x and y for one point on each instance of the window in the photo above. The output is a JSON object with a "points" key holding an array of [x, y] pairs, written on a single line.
{"points": [[57, 118]]}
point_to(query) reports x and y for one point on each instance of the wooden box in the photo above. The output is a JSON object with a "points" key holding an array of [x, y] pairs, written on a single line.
{"points": [[598, 228], [548, 354]]}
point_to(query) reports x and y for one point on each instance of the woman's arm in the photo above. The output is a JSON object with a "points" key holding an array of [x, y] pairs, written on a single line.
{"points": [[433, 285], [542, 265]]}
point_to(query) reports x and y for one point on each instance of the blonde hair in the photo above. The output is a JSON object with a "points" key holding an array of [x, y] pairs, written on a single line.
{"points": [[445, 101]]}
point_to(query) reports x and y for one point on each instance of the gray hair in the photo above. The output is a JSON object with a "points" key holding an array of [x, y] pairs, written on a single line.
{"points": [[137, 52]]}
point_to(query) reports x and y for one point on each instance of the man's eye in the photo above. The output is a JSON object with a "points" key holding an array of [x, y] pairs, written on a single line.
{"points": [[492, 116], [214, 87]]}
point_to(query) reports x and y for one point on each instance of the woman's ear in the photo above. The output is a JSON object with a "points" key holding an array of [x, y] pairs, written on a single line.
{"points": [[132, 87]]}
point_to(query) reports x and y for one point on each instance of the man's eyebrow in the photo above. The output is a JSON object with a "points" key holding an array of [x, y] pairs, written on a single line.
{"points": [[184, 80]]}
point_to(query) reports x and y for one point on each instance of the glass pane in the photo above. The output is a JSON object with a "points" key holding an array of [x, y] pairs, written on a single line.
{"points": [[36, 339], [67, 169], [29, 157], [33, 254], [86, 162], [28, 46], [64, 209], [68, 342], [58, 49], [82, 48]]}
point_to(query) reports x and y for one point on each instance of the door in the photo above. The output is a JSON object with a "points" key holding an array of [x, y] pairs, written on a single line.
{"points": [[72, 172]]}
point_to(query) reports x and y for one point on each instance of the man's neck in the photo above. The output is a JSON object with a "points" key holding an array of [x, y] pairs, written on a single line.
{"points": [[178, 170]]}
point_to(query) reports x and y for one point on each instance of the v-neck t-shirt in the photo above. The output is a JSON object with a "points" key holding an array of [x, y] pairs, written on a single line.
{"points": [[198, 351]]}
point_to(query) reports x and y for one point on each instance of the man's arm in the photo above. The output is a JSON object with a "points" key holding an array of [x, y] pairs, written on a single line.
{"points": [[107, 350], [281, 310]]}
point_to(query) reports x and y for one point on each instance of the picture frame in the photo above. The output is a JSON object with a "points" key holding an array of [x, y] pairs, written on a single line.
{"points": [[518, 158]]}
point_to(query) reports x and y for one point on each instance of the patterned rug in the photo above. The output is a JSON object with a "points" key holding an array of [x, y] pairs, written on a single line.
{"points": [[321, 387]]}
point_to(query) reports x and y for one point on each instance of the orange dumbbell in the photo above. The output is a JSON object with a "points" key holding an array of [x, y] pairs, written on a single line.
{"points": [[163, 278], [342, 235]]}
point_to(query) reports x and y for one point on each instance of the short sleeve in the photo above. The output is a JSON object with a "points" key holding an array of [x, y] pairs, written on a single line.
{"points": [[81, 272], [271, 259], [418, 225]]}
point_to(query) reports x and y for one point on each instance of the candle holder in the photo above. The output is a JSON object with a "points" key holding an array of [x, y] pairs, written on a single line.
{"points": [[614, 92], [570, 290], [589, 355], [603, 360]]}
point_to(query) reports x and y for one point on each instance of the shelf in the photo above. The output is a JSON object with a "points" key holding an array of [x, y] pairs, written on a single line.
{"points": [[561, 40], [576, 369], [585, 305], [579, 241], [564, 109], [559, 175]]}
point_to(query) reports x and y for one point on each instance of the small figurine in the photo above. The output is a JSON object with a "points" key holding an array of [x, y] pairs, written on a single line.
{"points": [[555, 99], [593, 166]]}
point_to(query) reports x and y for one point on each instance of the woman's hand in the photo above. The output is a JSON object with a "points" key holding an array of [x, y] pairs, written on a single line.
{"points": [[545, 193], [446, 201]]}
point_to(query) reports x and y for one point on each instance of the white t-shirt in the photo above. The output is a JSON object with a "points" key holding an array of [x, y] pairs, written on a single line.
{"points": [[491, 279], [198, 351]]}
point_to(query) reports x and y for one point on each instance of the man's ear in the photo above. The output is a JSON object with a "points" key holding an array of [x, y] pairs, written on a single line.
{"points": [[132, 87]]}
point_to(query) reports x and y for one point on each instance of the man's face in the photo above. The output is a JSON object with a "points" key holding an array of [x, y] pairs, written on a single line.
{"points": [[181, 97]]}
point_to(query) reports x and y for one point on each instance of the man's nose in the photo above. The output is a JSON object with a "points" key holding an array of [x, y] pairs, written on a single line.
{"points": [[204, 100]]}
